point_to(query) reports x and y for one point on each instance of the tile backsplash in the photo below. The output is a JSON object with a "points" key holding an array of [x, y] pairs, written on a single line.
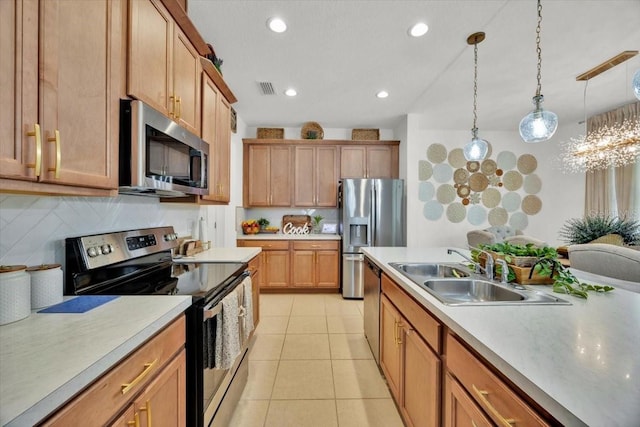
{"points": [[33, 228]]}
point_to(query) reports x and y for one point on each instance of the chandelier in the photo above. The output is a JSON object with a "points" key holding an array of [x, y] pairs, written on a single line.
{"points": [[612, 139]]}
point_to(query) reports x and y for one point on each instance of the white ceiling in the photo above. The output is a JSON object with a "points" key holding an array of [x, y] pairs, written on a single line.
{"points": [[338, 54]]}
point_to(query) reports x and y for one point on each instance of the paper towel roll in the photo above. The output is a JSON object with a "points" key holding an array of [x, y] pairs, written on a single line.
{"points": [[204, 230], [46, 285], [15, 293]]}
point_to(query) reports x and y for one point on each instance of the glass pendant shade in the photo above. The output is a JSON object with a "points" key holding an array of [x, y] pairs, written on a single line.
{"points": [[476, 149], [539, 125], [636, 84]]}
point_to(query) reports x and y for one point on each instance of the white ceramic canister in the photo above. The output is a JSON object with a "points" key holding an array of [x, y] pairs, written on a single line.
{"points": [[15, 293], [46, 285]]}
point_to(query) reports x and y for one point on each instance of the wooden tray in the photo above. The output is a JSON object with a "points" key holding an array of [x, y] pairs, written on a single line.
{"points": [[296, 220], [522, 276], [519, 261]]}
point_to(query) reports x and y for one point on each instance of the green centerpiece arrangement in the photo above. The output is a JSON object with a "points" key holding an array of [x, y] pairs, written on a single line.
{"points": [[585, 230], [537, 265]]}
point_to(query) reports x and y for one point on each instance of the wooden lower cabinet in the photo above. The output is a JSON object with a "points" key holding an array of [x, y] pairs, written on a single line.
{"points": [[412, 369], [150, 384], [256, 277], [297, 264], [459, 409]]}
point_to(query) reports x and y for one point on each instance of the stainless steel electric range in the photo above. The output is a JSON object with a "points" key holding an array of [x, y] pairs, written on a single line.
{"points": [[139, 262]]}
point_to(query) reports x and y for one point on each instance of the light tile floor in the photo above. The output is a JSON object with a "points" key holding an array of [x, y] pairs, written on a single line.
{"points": [[311, 366]]}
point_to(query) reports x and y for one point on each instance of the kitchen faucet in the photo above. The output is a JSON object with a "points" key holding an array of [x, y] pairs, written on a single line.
{"points": [[488, 269], [504, 274]]}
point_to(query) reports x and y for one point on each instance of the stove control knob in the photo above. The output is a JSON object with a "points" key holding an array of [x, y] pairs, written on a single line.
{"points": [[92, 252], [106, 249]]}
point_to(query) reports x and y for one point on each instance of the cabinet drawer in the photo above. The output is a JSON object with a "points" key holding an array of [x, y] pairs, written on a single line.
{"points": [[266, 245], [316, 245], [500, 402], [104, 398], [426, 325]]}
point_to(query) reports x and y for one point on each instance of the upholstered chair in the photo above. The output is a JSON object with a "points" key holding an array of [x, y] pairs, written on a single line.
{"points": [[618, 262], [491, 235]]}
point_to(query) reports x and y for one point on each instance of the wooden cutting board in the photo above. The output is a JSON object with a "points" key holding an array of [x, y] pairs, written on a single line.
{"points": [[296, 220]]}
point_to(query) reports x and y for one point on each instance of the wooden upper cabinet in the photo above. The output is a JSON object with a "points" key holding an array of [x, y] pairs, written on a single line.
{"points": [[216, 131], [65, 106], [267, 175], [164, 67], [370, 161], [315, 176]]}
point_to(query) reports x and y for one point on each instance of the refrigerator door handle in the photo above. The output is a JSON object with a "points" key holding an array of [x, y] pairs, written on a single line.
{"points": [[372, 218]]}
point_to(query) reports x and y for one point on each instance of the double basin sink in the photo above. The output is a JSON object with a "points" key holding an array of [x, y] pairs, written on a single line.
{"points": [[455, 284]]}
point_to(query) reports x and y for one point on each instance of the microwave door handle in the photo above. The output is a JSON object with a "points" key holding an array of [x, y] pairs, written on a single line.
{"points": [[203, 170]]}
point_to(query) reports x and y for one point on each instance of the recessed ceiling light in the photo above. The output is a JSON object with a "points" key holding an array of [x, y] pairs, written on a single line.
{"points": [[418, 30], [290, 92], [382, 94], [277, 25]]}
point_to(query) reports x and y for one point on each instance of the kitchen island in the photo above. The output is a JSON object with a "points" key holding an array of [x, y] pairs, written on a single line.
{"points": [[578, 362], [46, 359]]}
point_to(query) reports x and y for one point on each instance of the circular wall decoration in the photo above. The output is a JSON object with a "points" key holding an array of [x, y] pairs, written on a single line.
{"points": [[488, 167], [491, 197], [476, 215], [442, 173], [512, 180], [511, 201], [446, 194], [456, 158], [473, 166], [460, 176], [463, 191], [498, 216], [437, 153], [519, 220], [426, 191], [532, 184], [425, 170], [478, 182], [527, 164], [506, 160], [456, 212], [531, 205], [432, 210]]}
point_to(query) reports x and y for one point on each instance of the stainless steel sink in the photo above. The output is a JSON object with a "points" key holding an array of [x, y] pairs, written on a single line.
{"points": [[482, 292], [424, 270], [455, 284]]}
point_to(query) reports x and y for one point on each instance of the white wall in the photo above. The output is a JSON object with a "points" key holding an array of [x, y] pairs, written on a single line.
{"points": [[562, 195]]}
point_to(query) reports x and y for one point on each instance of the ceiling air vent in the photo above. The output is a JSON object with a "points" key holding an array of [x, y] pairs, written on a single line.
{"points": [[266, 88]]}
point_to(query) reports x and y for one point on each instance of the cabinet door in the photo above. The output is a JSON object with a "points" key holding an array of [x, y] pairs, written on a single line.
{"points": [[127, 419], [304, 178], [186, 82], [303, 268], [277, 268], [149, 57], [327, 267], [326, 176], [353, 162], [391, 345], [81, 60], [280, 176], [210, 96], [421, 382], [379, 162], [257, 186], [223, 151], [459, 409], [163, 401], [18, 82]]}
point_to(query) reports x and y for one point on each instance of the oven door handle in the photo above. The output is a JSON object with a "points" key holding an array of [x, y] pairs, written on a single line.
{"points": [[211, 312]]}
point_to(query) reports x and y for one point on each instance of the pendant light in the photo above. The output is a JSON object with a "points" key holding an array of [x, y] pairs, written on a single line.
{"points": [[539, 125], [477, 148], [636, 84]]}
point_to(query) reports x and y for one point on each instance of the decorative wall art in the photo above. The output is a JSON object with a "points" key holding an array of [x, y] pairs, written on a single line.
{"points": [[496, 191]]}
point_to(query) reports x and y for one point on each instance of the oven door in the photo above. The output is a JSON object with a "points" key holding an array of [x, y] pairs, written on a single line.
{"points": [[223, 377]]}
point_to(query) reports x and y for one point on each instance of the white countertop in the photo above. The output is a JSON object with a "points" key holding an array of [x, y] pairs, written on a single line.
{"points": [[579, 362], [280, 236], [218, 255], [46, 359]]}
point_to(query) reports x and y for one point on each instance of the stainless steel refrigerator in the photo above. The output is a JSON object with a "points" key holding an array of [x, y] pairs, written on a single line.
{"points": [[371, 213]]}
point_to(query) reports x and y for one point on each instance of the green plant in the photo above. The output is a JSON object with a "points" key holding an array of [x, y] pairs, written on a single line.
{"points": [[317, 219], [584, 230], [263, 222], [566, 283]]}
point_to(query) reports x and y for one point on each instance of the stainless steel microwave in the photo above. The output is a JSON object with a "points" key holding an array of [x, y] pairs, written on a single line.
{"points": [[158, 157]]}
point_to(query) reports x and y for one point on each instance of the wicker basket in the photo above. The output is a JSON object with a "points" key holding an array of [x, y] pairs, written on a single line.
{"points": [[270, 133], [365, 134]]}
